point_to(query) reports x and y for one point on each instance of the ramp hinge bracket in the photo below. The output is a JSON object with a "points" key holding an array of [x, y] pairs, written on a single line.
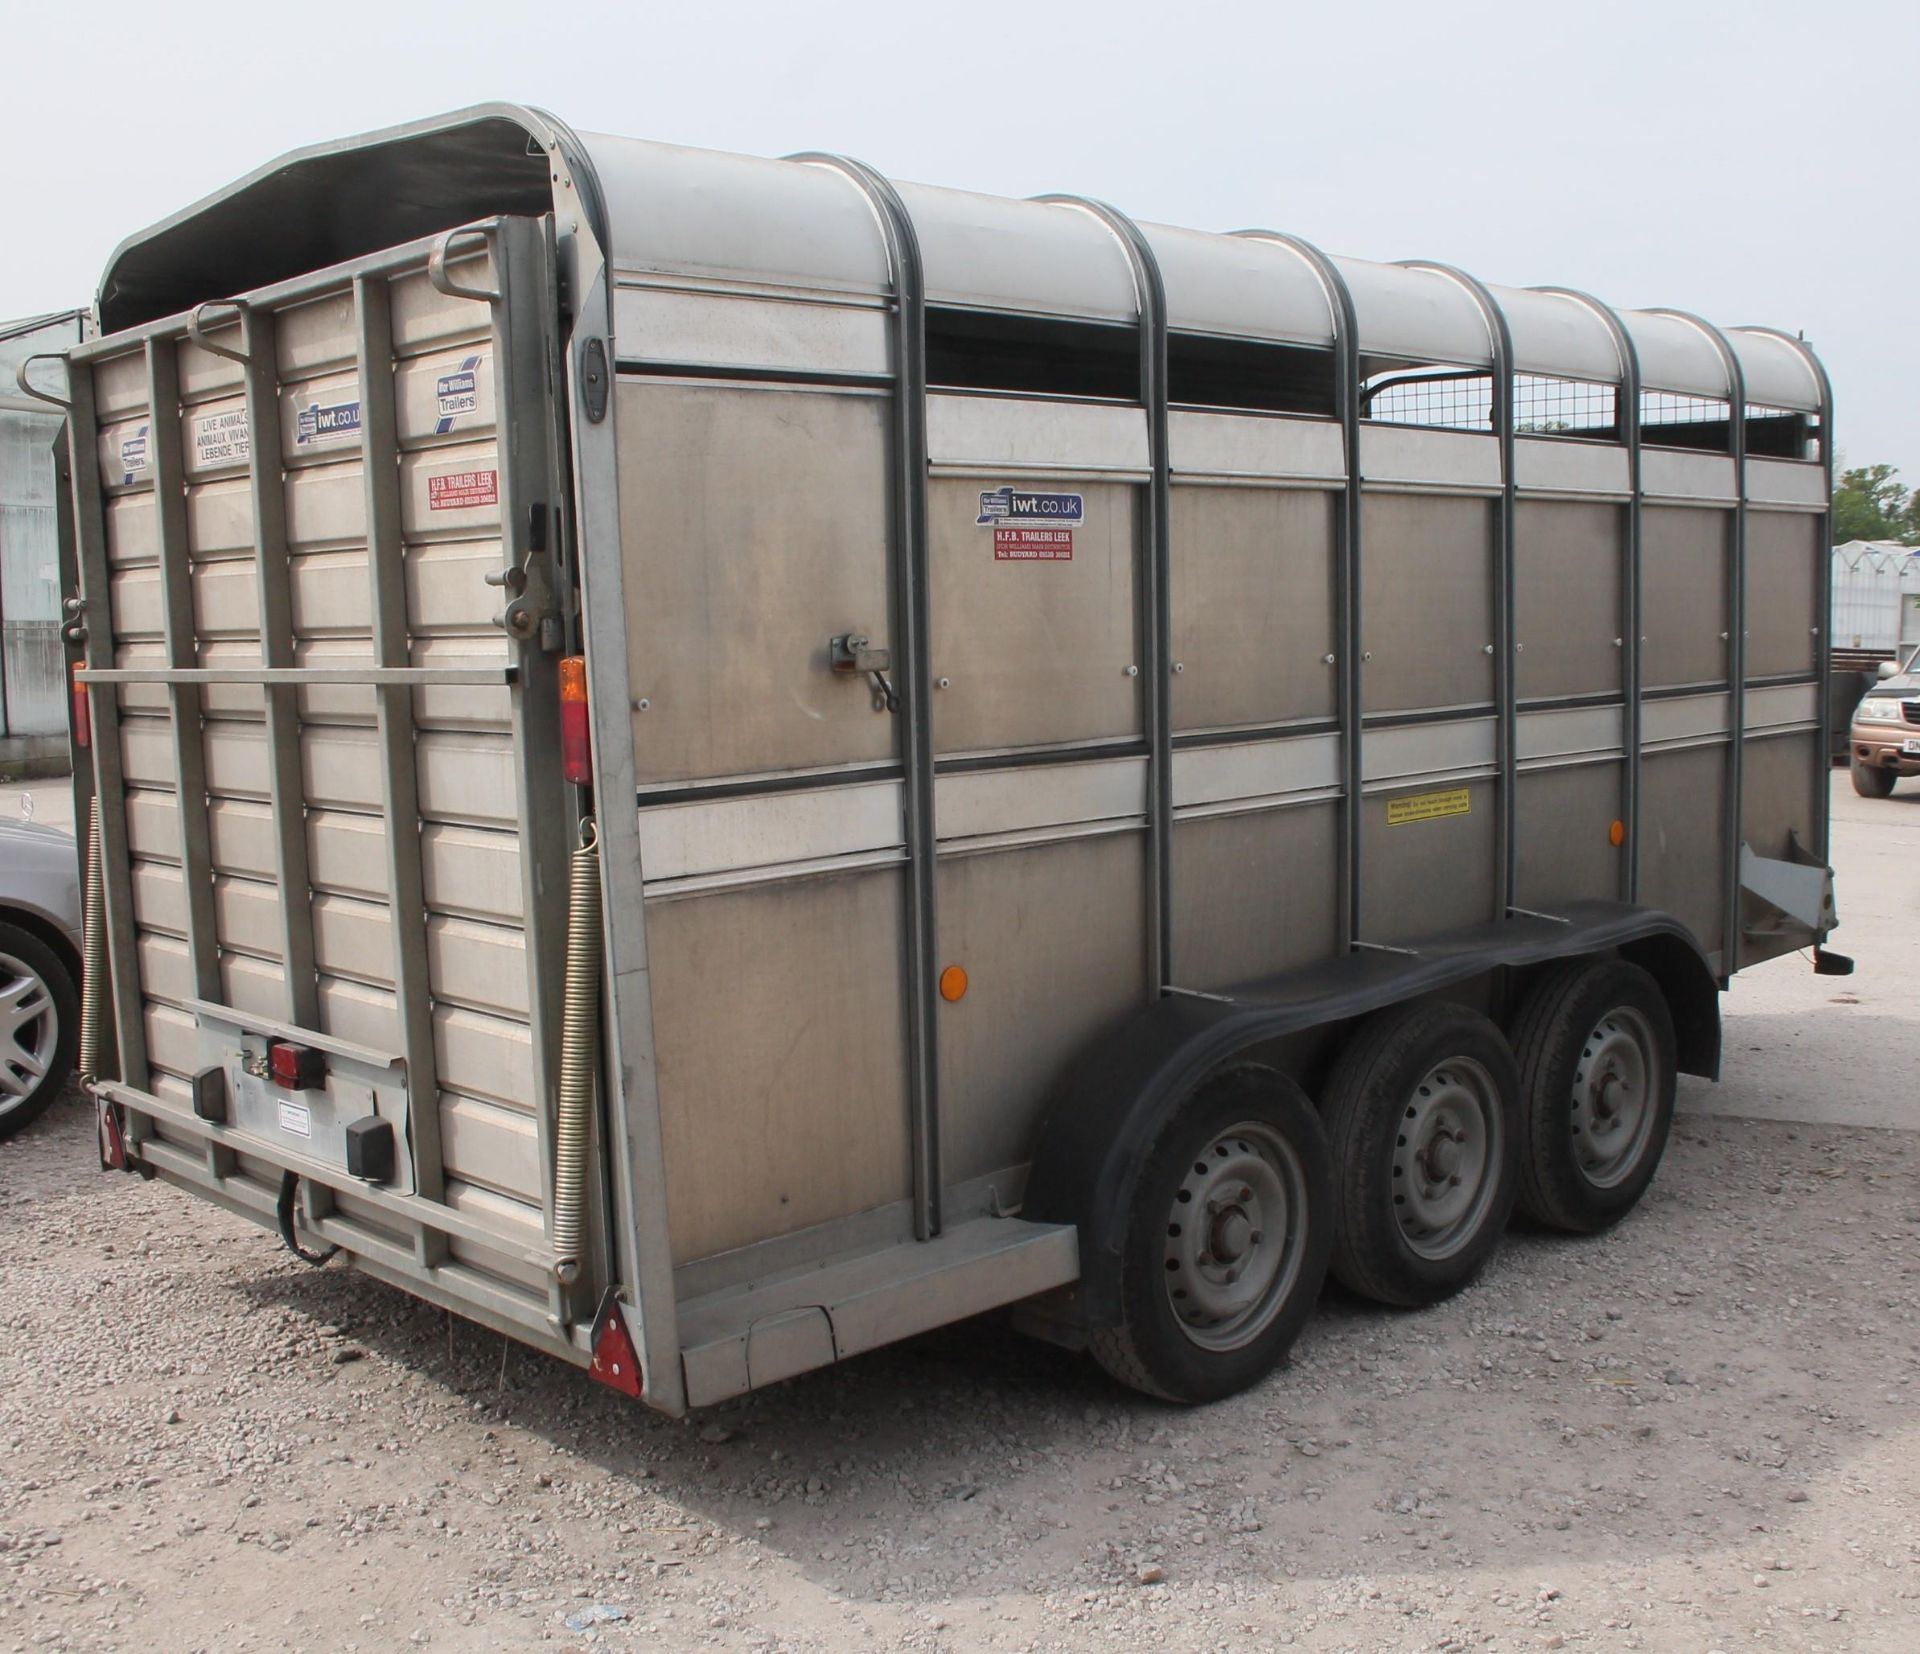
{"points": [[533, 609]]}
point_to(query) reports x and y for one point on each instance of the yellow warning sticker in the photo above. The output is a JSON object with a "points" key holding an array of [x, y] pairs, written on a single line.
{"points": [[1428, 806]]}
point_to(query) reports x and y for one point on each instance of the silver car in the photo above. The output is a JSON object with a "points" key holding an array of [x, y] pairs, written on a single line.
{"points": [[39, 968]]}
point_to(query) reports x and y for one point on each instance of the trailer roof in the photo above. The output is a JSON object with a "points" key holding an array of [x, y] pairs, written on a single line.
{"points": [[797, 228]]}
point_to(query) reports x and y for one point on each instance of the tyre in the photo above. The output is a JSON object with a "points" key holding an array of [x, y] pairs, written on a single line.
{"points": [[39, 1025], [1226, 1241], [1422, 1114], [1597, 1073], [1870, 780]]}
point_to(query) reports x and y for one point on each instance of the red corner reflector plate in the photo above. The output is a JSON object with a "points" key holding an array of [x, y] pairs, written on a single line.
{"points": [[113, 1138], [616, 1362]]}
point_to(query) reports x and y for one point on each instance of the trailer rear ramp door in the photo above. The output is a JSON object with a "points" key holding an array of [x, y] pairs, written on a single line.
{"points": [[331, 814]]}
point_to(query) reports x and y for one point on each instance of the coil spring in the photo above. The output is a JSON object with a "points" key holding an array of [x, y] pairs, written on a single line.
{"points": [[579, 1052]]}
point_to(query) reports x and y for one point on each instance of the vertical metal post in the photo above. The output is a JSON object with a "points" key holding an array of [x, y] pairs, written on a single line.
{"points": [[1156, 585], [399, 778], [1346, 407], [103, 700], [1505, 699], [524, 314], [189, 737], [644, 1241], [913, 626], [73, 626], [280, 702], [1823, 601], [1736, 635], [1628, 421]]}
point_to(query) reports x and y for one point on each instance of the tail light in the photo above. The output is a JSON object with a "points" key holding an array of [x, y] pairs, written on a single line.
{"points": [[296, 1067], [82, 713], [576, 744]]}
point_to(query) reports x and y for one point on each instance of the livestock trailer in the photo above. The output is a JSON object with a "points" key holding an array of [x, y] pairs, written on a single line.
{"points": [[713, 762]]}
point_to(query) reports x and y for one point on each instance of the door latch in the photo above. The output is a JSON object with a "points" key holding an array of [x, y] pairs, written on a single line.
{"points": [[852, 654], [533, 609]]}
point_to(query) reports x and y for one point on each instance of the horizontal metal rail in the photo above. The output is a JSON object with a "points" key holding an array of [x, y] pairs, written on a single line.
{"points": [[413, 1208], [249, 1022], [392, 261], [295, 676]]}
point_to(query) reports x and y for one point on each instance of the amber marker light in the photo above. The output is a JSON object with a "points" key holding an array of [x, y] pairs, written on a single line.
{"points": [[1617, 834], [576, 748], [953, 984], [82, 711]]}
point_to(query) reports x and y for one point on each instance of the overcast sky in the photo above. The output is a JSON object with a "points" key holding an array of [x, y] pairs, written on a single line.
{"points": [[1755, 162]]}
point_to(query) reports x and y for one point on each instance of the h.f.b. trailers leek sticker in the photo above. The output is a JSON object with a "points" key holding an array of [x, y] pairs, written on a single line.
{"points": [[1032, 545], [327, 422], [1031, 527], [461, 490], [296, 1118]]}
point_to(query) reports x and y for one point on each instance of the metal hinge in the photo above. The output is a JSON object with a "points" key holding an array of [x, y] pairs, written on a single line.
{"points": [[533, 610]]}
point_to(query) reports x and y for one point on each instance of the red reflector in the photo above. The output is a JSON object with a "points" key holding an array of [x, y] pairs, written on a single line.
{"points": [[82, 714], [616, 1363], [576, 744], [296, 1067], [113, 1138]]}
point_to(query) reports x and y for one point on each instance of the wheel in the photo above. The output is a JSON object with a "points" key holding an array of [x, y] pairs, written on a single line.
{"points": [[1422, 1113], [1870, 780], [39, 1024], [1226, 1241], [1597, 1073]]}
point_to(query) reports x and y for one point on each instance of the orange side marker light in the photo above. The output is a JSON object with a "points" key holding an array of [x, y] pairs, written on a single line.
{"points": [[576, 744]]}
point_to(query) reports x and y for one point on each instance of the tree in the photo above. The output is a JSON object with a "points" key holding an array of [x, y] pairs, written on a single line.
{"points": [[1869, 503]]}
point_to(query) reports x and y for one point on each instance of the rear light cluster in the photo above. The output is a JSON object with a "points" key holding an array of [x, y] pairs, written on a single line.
{"points": [[82, 713], [296, 1067], [576, 744]]}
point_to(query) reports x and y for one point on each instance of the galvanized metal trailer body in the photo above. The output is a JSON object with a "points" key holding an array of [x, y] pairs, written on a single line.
{"points": [[1029, 638]]}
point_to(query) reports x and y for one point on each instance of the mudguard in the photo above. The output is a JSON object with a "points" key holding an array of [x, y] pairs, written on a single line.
{"points": [[1114, 1102]]}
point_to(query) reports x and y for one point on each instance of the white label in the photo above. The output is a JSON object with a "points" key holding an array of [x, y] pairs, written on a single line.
{"points": [[296, 1118], [221, 439]]}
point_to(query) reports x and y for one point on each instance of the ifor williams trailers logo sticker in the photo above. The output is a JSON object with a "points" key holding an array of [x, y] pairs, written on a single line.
{"points": [[457, 393], [1007, 505], [133, 456], [1029, 527], [327, 422]]}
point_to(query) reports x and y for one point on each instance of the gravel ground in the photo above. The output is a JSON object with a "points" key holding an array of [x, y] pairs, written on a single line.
{"points": [[1697, 1433]]}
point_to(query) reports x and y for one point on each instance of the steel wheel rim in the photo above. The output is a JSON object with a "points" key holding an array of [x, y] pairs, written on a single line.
{"points": [[29, 1031], [1446, 1156], [1613, 1109], [1232, 1249]]}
